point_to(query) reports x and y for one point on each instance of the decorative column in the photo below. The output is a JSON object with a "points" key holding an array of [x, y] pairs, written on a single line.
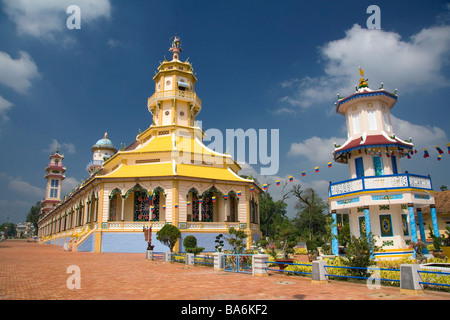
{"points": [[434, 220], [421, 228], [412, 223], [367, 221], [123, 209], [334, 234]]}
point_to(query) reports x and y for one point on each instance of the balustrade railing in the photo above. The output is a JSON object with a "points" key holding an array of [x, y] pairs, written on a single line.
{"points": [[396, 181]]}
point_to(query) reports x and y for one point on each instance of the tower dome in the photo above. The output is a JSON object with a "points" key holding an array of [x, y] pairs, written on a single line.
{"points": [[103, 149]]}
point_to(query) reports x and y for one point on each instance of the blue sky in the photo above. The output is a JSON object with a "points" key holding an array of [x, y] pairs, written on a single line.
{"points": [[260, 65]]}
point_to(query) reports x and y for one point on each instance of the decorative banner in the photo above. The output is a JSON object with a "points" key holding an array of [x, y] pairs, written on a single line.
{"points": [[439, 150], [316, 169], [164, 207], [239, 193], [176, 205], [213, 199], [278, 182], [188, 203], [225, 197], [303, 173], [291, 178], [439, 157], [330, 164], [251, 189], [265, 186], [425, 153]]}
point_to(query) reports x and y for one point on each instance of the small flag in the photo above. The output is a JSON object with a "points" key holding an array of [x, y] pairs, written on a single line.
{"points": [[303, 173], [291, 178], [251, 189], [265, 186], [330, 164], [439, 157], [225, 196], [409, 157], [448, 147], [239, 193], [316, 169], [439, 150], [164, 207], [388, 155], [213, 199], [176, 205], [188, 203], [200, 200], [425, 153], [278, 182], [153, 208], [415, 151]]}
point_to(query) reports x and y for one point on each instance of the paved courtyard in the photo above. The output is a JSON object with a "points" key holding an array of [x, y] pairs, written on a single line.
{"points": [[30, 271]]}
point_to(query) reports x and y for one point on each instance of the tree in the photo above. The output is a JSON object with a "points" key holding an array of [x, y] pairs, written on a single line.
{"points": [[286, 238], [190, 245], [168, 235], [310, 219], [272, 212], [33, 215], [236, 240], [360, 254]]}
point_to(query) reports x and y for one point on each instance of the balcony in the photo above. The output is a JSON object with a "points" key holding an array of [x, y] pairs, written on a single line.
{"points": [[94, 163], [174, 94], [376, 183]]}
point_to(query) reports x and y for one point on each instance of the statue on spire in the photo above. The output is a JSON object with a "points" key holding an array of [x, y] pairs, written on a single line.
{"points": [[176, 47], [362, 81]]}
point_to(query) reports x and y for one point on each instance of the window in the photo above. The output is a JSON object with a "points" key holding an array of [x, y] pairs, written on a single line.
{"points": [[54, 184], [378, 166], [141, 206], [394, 164], [359, 167], [386, 225], [371, 118], [355, 122]]}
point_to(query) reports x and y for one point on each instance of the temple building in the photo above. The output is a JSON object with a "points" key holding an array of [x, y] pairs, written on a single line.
{"points": [[167, 175], [378, 197]]}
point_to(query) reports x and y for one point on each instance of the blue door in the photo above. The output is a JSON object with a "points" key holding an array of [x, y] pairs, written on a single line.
{"points": [[359, 167]]}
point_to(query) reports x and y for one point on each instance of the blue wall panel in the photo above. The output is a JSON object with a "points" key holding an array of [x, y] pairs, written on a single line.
{"points": [[88, 244], [129, 242]]}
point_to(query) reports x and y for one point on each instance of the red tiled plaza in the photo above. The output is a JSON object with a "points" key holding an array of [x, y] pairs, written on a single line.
{"points": [[30, 271]]}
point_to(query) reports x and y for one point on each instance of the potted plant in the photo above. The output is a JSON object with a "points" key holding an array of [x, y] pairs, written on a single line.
{"points": [[219, 243], [285, 241], [418, 249], [437, 243], [446, 243], [311, 246]]}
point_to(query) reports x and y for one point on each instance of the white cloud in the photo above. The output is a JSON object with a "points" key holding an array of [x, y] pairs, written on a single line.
{"points": [[5, 105], [45, 18], [385, 57], [315, 149], [17, 73], [68, 184], [423, 136], [61, 147], [17, 184]]}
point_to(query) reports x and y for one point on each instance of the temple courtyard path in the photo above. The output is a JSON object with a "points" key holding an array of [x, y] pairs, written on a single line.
{"points": [[31, 271]]}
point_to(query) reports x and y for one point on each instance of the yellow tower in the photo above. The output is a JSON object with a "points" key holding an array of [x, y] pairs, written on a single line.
{"points": [[174, 101]]}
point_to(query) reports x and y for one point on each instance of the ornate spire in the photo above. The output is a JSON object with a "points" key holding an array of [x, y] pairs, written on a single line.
{"points": [[176, 47], [362, 81]]}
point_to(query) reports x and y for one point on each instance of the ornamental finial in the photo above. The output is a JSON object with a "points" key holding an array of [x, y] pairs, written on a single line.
{"points": [[362, 81], [176, 47]]}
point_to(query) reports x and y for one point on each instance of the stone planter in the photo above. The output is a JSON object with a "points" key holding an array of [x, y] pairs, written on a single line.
{"points": [[446, 251]]}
